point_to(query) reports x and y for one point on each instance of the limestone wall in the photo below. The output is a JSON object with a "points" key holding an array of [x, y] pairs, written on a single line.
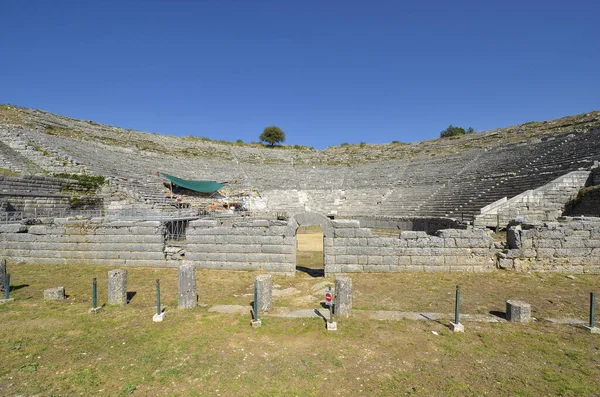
{"points": [[117, 243], [242, 245], [572, 246], [355, 249]]}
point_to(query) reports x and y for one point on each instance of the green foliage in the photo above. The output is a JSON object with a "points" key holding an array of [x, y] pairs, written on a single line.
{"points": [[362, 144], [455, 131], [345, 144], [87, 182], [272, 135], [128, 389], [239, 142]]}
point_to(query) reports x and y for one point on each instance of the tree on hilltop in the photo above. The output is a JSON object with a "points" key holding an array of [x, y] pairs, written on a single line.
{"points": [[272, 135], [455, 131]]}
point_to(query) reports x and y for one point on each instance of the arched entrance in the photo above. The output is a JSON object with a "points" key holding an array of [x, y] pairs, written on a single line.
{"points": [[310, 230]]}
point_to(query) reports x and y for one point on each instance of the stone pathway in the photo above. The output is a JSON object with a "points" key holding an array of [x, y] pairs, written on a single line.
{"points": [[383, 315]]}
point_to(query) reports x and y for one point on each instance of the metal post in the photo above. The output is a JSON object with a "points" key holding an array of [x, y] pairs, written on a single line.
{"points": [[255, 300], [7, 287], [592, 308], [456, 315], [330, 306], [94, 289], [158, 297]]}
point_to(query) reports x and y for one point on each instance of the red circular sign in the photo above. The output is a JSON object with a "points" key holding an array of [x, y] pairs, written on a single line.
{"points": [[328, 296]]}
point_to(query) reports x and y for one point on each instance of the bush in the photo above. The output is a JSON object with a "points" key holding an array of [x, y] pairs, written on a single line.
{"points": [[455, 131], [87, 182]]}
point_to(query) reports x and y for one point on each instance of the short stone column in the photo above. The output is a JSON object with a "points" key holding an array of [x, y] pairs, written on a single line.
{"points": [[186, 287], [56, 294], [264, 287], [518, 311], [117, 287], [342, 301], [2, 276]]}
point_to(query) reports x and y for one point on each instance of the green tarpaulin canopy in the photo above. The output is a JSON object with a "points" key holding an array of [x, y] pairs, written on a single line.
{"points": [[197, 186]]}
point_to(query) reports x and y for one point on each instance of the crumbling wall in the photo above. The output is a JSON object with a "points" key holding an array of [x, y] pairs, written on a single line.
{"points": [[356, 249], [571, 246], [242, 245], [80, 242]]}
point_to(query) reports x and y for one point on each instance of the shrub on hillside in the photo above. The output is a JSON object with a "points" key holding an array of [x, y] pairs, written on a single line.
{"points": [[455, 131]]}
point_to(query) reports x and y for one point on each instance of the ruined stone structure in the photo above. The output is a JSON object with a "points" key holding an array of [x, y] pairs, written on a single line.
{"points": [[571, 246], [432, 192]]}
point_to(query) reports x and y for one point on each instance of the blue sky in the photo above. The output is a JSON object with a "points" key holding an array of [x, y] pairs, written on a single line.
{"points": [[326, 72]]}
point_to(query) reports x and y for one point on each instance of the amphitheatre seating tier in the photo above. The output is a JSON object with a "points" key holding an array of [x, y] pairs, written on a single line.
{"points": [[443, 178]]}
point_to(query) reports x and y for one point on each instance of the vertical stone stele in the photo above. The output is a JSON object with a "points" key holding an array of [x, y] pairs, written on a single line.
{"points": [[117, 287], [518, 311], [342, 301], [186, 287], [3, 276], [264, 286]]}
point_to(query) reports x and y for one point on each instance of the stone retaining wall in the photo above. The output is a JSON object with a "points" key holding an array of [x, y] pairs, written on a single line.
{"points": [[572, 246], [117, 243], [355, 249], [270, 245], [242, 245]]}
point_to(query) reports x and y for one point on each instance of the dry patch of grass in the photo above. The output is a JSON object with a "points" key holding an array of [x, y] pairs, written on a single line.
{"points": [[57, 348], [7, 172]]}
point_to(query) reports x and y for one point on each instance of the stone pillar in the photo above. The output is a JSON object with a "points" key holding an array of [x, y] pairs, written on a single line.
{"points": [[117, 287], [342, 301], [264, 286], [2, 276], [186, 286], [518, 311]]}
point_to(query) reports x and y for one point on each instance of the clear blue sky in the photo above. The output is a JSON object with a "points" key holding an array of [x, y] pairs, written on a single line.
{"points": [[326, 72]]}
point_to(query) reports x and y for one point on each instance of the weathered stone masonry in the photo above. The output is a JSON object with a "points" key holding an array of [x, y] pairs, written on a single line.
{"points": [[355, 249], [117, 243], [242, 245], [270, 246], [572, 247]]}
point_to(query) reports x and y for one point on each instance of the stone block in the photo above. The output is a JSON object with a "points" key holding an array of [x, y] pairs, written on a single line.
{"points": [[186, 287], [117, 287], [340, 233], [454, 327], [342, 302], [351, 269], [263, 285], [345, 223], [518, 311], [57, 293]]}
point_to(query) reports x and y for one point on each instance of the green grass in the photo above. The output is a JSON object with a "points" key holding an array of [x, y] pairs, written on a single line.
{"points": [[7, 172], [57, 348]]}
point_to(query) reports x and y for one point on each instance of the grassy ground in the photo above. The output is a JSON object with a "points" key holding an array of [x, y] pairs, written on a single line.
{"points": [[57, 348]]}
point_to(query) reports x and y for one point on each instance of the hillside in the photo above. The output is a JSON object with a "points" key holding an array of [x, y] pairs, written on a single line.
{"points": [[200, 147]]}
